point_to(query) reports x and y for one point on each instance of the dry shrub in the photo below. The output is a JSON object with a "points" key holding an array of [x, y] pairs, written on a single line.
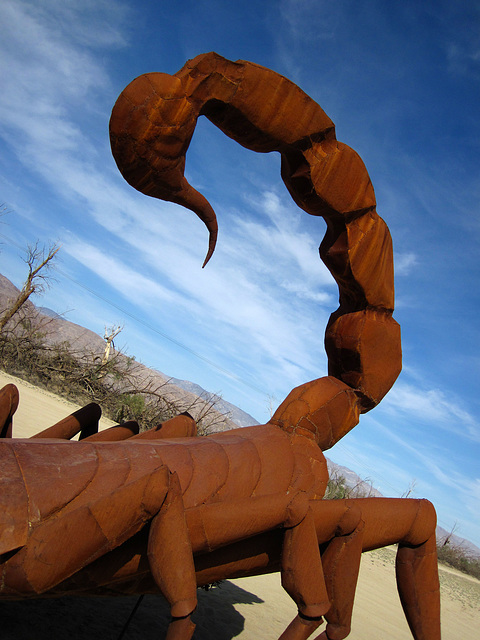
{"points": [[118, 385], [338, 489], [456, 557]]}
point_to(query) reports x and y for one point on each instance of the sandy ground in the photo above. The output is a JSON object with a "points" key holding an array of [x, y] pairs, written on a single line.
{"points": [[39, 409], [249, 608]]}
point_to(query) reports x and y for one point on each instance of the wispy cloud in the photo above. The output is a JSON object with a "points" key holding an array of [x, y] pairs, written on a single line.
{"points": [[462, 40], [42, 57], [311, 19], [405, 263], [131, 284], [285, 237], [224, 299], [52, 81], [394, 462], [461, 488], [432, 406]]}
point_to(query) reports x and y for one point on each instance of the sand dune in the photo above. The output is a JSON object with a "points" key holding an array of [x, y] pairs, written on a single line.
{"points": [[249, 608]]}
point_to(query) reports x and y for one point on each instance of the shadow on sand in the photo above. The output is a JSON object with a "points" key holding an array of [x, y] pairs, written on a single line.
{"points": [[76, 618]]}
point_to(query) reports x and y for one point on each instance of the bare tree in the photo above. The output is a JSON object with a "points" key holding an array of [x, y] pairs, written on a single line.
{"points": [[448, 538], [411, 489], [271, 405], [110, 333], [39, 261]]}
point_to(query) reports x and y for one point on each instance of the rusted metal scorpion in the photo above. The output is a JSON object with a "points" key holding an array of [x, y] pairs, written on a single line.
{"points": [[147, 514]]}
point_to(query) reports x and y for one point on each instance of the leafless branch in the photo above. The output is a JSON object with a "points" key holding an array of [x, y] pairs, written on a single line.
{"points": [[38, 261]]}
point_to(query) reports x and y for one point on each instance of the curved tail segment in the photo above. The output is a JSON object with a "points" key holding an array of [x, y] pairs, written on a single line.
{"points": [[151, 127]]}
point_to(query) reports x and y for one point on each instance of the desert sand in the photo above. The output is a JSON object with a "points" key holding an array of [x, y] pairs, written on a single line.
{"points": [[248, 608]]}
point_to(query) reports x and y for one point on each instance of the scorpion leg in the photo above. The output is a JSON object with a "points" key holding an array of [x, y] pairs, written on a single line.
{"points": [[339, 527], [123, 431], [8, 406], [302, 573], [83, 421], [418, 587], [411, 524], [341, 564], [365, 524], [171, 562]]}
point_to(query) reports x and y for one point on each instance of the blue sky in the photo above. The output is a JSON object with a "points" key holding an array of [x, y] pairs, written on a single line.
{"points": [[401, 82]]}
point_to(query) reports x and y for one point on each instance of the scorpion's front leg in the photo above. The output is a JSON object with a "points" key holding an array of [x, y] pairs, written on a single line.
{"points": [[418, 587], [410, 523], [171, 562], [92, 525]]}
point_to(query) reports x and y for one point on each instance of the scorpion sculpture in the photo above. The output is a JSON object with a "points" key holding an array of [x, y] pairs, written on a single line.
{"points": [[121, 512]]}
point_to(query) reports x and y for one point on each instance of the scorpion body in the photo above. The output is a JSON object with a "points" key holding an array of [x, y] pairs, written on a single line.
{"points": [[167, 515]]}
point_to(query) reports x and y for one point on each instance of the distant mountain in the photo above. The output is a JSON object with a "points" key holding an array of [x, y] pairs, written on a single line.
{"points": [[50, 313], [352, 480], [468, 547], [241, 418], [81, 339], [9, 293]]}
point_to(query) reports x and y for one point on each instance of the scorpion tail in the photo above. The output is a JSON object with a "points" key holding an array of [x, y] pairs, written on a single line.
{"points": [[151, 127]]}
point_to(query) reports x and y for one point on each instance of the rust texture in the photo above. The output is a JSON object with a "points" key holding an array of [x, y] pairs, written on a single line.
{"points": [[164, 511]]}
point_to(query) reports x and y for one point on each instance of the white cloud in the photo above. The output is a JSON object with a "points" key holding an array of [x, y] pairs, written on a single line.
{"points": [[248, 310], [41, 60], [436, 474], [51, 83], [394, 467], [311, 19], [131, 284], [227, 303], [405, 263], [463, 56], [433, 407], [284, 244]]}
